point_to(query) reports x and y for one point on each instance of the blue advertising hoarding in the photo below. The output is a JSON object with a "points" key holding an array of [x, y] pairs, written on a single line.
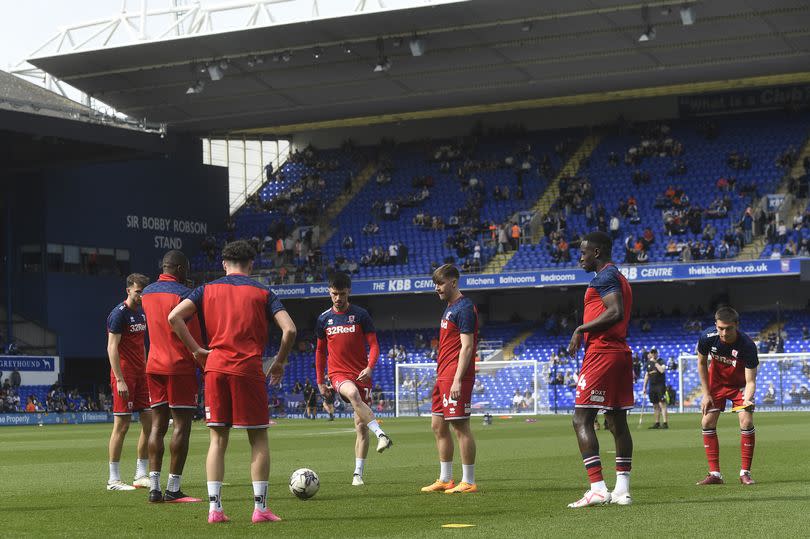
{"points": [[561, 277], [44, 418], [29, 363]]}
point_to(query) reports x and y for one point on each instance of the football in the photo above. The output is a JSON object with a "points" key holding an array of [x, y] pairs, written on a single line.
{"points": [[304, 483]]}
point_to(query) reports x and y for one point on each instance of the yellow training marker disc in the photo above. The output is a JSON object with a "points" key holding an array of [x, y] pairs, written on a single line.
{"points": [[458, 525]]}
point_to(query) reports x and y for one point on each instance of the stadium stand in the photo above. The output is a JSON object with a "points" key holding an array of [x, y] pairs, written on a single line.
{"points": [[290, 202], [686, 183], [444, 169], [720, 163]]}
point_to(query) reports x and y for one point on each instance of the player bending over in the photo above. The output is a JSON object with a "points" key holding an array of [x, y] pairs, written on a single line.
{"points": [[343, 333], [455, 376], [606, 377], [731, 375], [237, 312]]}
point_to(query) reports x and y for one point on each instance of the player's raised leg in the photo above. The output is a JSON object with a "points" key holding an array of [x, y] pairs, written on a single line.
{"points": [[445, 447], [215, 472], [588, 443], [360, 451], [466, 446], [363, 411], [119, 431], [747, 442], [617, 424]]}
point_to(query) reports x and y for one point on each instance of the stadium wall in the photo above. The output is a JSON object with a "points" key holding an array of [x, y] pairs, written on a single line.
{"points": [[145, 207], [533, 119]]}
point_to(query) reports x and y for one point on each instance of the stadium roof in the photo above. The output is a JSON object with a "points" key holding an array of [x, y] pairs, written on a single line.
{"points": [[480, 56], [18, 94]]}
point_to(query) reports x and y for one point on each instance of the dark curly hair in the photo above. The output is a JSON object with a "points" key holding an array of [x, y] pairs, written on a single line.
{"points": [[238, 251]]}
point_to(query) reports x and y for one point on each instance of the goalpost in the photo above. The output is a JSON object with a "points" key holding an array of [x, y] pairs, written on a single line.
{"points": [[783, 382], [499, 380]]}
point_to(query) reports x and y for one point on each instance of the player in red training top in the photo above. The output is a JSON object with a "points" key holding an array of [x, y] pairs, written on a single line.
{"points": [[731, 375], [455, 376], [126, 326], [237, 312], [606, 377], [343, 333], [171, 374]]}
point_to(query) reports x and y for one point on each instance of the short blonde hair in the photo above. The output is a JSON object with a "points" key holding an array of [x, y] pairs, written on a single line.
{"points": [[445, 272]]}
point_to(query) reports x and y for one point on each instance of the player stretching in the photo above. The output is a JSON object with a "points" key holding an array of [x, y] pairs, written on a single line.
{"points": [[606, 377], [236, 312], [455, 376], [731, 375], [171, 373], [343, 333], [126, 326]]}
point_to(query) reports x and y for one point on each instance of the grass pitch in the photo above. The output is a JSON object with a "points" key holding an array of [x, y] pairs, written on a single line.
{"points": [[53, 481]]}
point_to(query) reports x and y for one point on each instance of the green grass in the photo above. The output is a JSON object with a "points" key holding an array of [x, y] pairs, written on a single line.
{"points": [[53, 483]]}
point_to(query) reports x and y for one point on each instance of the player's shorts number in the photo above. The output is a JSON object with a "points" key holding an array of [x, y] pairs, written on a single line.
{"points": [[367, 391], [447, 401], [581, 383]]}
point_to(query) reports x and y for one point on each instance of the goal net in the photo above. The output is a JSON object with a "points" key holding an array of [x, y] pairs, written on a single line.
{"points": [[783, 382], [497, 385]]}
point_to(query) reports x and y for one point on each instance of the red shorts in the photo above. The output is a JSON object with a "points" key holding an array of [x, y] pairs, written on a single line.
{"points": [[450, 409], [606, 380], [138, 394], [364, 388], [176, 390], [721, 394], [235, 401]]}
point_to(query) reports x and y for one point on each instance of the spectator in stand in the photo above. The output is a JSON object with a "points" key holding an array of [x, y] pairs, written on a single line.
{"points": [[748, 225], [16, 379], [348, 242], [629, 250], [686, 253], [633, 215], [672, 249], [615, 226], [648, 237], [790, 249], [781, 233], [478, 387], [477, 257], [570, 379], [515, 236], [377, 397], [518, 402], [402, 249], [393, 252], [804, 247], [31, 405], [770, 395]]}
